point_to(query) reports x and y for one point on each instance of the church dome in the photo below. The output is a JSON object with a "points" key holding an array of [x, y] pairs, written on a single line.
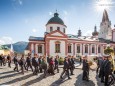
{"points": [[56, 19]]}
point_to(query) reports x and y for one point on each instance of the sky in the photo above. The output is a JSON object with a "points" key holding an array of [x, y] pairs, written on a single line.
{"points": [[20, 19]]}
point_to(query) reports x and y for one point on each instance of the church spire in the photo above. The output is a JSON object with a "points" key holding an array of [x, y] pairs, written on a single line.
{"points": [[95, 33], [79, 32], [105, 16]]}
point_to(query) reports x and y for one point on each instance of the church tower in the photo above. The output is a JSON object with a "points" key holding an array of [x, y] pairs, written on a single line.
{"points": [[79, 33], [105, 27], [95, 33]]}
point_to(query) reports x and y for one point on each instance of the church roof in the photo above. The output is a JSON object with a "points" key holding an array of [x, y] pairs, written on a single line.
{"points": [[56, 19], [105, 16], [32, 38]]}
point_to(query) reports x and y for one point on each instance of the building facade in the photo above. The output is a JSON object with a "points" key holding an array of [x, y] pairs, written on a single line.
{"points": [[57, 42]]}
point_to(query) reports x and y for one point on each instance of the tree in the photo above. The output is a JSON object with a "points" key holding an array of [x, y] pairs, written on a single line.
{"points": [[108, 51]]}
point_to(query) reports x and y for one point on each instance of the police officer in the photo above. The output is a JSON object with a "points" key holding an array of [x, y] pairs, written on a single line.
{"points": [[29, 62], [66, 68], [56, 64], [85, 69], [16, 63], [35, 63]]}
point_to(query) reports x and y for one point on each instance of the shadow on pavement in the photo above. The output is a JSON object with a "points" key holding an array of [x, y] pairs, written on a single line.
{"points": [[17, 79], [80, 82], [59, 81], [99, 81], [6, 72]]}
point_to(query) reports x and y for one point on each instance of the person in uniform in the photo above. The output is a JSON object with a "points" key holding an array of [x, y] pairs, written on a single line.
{"points": [[29, 62], [56, 64], [35, 63], [107, 70], [16, 63], [44, 66], [66, 68], [85, 69], [22, 64], [40, 60], [9, 60]]}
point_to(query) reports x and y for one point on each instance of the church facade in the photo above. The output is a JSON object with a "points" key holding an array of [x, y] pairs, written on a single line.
{"points": [[57, 42]]}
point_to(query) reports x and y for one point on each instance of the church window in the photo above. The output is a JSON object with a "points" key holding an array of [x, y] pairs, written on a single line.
{"points": [[64, 30], [78, 48], [58, 28], [51, 29], [57, 47], [93, 49], [86, 48], [39, 48], [99, 49], [69, 48]]}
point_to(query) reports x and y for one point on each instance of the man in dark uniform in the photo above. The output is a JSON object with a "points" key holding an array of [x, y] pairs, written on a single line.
{"points": [[35, 63], [71, 63], [9, 60], [16, 63], [101, 74], [40, 60], [85, 69], [56, 64], [107, 70], [22, 64], [66, 68], [29, 62]]}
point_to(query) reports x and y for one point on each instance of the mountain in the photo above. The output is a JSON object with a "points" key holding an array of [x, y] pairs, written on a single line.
{"points": [[18, 47]]}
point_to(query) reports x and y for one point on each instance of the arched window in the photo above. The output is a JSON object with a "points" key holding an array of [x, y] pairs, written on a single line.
{"points": [[93, 48], [51, 29], [86, 48], [78, 48], [99, 49], [64, 30], [69, 48], [57, 47], [39, 48], [58, 28]]}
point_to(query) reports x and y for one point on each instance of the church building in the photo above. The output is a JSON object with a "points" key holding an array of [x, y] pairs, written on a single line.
{"points": [[57, 42]]}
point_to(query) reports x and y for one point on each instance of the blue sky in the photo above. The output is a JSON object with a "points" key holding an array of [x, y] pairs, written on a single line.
{"points": [[20, 19]]}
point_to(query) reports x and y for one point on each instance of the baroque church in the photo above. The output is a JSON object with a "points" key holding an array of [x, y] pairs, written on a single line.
{"points": [[57, 42]]}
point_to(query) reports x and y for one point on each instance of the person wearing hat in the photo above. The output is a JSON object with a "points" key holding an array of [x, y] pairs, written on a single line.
{"points": [[66, 68], [85, 69]]}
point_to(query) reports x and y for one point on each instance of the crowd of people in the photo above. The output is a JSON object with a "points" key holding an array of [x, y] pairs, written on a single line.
{"points": [[41, 64]]}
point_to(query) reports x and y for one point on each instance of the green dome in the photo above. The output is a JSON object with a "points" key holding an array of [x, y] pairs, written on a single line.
{"points": [[56, 19]]}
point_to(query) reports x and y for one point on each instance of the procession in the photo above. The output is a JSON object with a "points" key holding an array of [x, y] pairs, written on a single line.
{"points": [[49, 66]]}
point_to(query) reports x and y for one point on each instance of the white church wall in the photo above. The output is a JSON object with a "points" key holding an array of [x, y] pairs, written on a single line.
{"points": [[54, 26], [114, 36], [52, 48]]}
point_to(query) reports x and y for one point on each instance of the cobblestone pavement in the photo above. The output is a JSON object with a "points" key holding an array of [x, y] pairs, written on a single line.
{"points": [[11, 78]]}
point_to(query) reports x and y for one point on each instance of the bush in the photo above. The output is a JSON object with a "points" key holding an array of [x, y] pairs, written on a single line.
{"points": [[61, 61], [108, 51]]}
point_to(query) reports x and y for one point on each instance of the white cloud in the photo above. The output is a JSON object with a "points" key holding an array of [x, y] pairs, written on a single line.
{"points": [[50, 13], [34, 30], [6, 40]]}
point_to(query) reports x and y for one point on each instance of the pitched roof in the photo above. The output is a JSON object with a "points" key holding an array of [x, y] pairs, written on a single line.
{"points": [[32, 38]]}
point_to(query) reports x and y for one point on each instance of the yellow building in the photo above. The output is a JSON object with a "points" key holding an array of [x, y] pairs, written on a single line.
{"points": [[4, 50]]}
